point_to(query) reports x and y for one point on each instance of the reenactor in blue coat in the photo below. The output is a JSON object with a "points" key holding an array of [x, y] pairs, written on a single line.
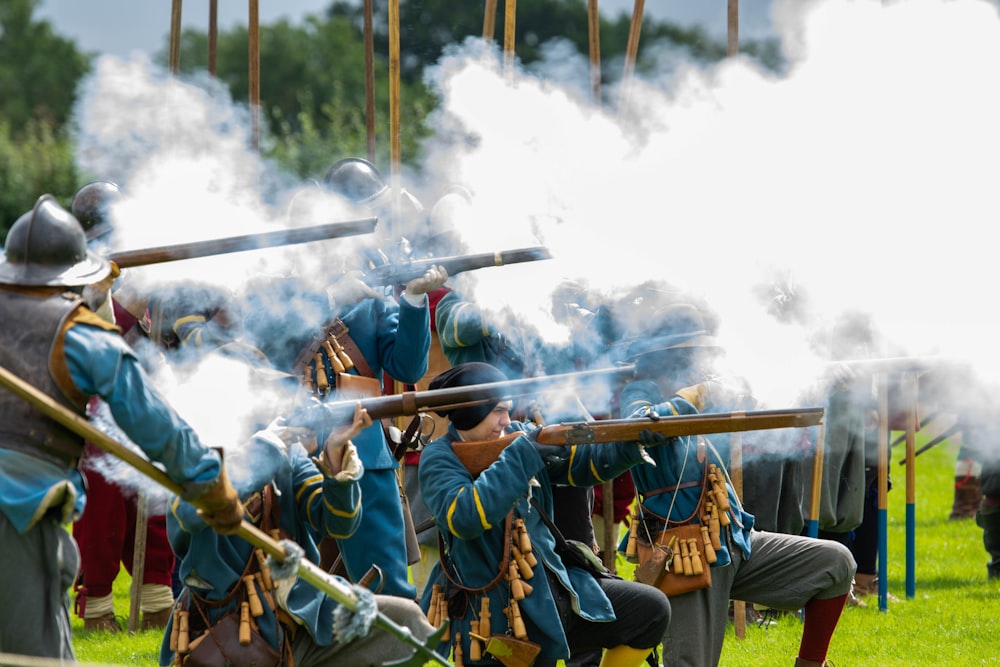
{"points": [[493, 524], [51, 339], [787, 572]]}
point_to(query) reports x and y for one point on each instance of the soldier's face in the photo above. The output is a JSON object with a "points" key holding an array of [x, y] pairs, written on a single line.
{"points": [[494, 425]]}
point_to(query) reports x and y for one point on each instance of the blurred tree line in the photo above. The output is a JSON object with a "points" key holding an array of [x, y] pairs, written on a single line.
{"points": [[311, 80]]}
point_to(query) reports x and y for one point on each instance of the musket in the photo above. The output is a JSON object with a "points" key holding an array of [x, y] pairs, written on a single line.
{"points": [[479, 455], [319, 415], [923, 422], [282, 237], [402, 273], [941, 437], [307, 571]]}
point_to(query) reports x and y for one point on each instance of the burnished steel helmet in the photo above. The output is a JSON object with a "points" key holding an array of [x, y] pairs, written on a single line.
{"points": [[356, 179], [92, 207], [47, 246]]}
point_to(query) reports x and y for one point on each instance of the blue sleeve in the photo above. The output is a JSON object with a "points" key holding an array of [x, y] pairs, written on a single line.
{"points": [[102, 364], [405, 342]]}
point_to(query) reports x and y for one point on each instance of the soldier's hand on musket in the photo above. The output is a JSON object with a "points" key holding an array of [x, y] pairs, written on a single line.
{"points": [[552, 455], [350, 288], [433, 278], [339, 454], [219, 506], [650, 438]]}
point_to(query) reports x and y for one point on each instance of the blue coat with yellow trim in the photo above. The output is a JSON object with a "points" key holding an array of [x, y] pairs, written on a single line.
{"points": [[311, 505], [677, 463], [470, 515]]}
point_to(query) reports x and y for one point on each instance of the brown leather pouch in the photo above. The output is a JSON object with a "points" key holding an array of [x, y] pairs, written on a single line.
{"points": [[672, 579], [220, 646], [351, 386]]}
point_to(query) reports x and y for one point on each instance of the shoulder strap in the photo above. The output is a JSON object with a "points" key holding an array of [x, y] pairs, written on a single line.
{"points": [[504, 562]]}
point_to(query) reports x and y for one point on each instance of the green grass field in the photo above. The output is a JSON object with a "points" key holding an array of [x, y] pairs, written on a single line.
{"points": [[947, 622]]}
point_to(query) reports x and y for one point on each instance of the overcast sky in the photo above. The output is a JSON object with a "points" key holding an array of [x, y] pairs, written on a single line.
{"points": [[120, 27]]}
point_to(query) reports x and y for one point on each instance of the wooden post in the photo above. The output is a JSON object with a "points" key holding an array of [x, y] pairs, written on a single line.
{"points": [[733, 28], [254, 64], [395, 145], [812, 525], [594, 33], [138, 560], [489, 20], [213, 35], [881, 385], [736, 475], [632, 47], [370, 80], [174, 57], [910, 387], [509, 32]]}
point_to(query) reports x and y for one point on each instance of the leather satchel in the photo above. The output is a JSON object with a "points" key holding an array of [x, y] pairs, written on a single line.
{"points": [[220, 646], [675, 560], [663, 565]]}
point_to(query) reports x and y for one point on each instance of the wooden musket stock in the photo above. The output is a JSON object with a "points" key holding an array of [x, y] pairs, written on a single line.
{"points": [[477, 456]]}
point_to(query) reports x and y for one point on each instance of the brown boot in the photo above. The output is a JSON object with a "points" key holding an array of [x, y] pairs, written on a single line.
{"points": [[105, 623], [156, 619], [968, 496]]}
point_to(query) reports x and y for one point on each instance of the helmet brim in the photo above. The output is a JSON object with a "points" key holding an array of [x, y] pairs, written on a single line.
{"points": [[93, 268]]}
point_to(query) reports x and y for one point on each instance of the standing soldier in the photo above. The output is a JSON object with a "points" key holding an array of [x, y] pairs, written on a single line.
{"points": [[54, 341], [106, 533]]}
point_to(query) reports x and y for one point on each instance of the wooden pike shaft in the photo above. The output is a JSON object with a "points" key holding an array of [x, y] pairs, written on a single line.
{"points": [[253, 60], [490, 20], [308, 571], [509, 36], [594, 34], [370, 79], [175, 37]]}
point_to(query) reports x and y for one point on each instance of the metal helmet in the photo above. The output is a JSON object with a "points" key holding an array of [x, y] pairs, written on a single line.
{"points": [[356, 179], [92, 207], [47, 246]]}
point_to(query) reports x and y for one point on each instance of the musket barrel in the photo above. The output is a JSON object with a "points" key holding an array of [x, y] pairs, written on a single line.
{"points": [[398, 274], [412, 402], [615, 430], [282, 237]]}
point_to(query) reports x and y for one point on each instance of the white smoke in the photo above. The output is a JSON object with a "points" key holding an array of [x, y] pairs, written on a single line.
{"points": [[857, 180]]}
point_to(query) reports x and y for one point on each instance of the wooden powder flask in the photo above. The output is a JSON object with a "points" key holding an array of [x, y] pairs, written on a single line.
{"points": [[696, 566], [484, 617], [175, 628], [245, 623], [459, 660], [256, 608], [522, 563], [335, 361], [686, 566], [475, 647], [709, 547], [516, 587], [632, 548], [265, 570], [183, 635]]}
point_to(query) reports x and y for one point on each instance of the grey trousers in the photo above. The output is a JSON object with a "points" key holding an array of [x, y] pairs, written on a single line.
{"points": [[39, 568], [783, 572], [375, 649]]}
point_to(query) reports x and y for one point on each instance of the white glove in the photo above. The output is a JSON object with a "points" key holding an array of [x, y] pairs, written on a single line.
{"points": [[433, 278]]}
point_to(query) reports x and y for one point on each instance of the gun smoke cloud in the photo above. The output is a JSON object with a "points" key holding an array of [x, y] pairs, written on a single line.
{"points": [[851, 183]]}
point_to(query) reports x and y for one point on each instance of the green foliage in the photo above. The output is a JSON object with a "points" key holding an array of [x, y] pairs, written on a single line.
{"points": [[38, 69], [35, 161]]}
